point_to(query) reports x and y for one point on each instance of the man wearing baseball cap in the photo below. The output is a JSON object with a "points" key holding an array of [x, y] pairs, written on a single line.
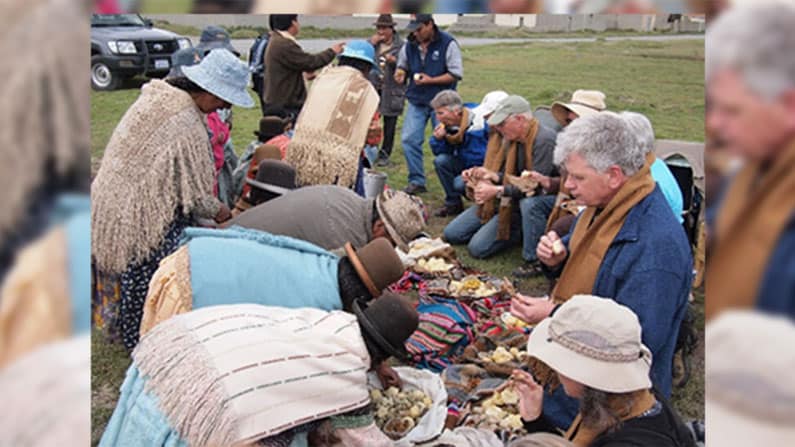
{"points": [[494, 223], [431, 62]]}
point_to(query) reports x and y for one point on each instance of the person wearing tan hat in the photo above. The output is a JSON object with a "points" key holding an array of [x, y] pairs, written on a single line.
{"points": [[594, 346], [750, 397], [556, 209], [238, 265], [330, 216], [583, 103]]}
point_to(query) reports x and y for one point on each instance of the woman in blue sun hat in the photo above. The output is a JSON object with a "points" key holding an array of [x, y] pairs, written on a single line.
{"points": [[156, 179]]}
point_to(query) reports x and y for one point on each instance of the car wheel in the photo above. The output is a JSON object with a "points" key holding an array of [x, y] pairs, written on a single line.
{"points": [[102, 78]]}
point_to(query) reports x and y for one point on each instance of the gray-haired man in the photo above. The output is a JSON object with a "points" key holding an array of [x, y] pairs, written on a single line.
{"points": [[456, 145]]}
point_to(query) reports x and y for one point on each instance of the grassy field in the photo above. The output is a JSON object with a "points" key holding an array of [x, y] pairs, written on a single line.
{"points": [[663, 80]]}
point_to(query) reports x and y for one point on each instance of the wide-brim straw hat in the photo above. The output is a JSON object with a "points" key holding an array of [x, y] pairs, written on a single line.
{"points": [[583, 103]]}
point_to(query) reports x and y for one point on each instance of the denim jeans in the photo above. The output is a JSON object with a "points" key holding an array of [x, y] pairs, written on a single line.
{"points": [[481, 239], [535, 212], [448, 167], [412, 138]]}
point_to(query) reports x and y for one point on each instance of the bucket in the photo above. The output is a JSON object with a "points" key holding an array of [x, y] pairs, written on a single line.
{"points": [[374, 182]]}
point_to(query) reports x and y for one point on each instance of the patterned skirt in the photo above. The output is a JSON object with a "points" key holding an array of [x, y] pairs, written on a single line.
{"points": [[105, 304], [119, 298]]}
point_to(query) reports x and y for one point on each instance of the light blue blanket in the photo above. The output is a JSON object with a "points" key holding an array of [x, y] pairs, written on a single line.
{"points": [[239, 265]]}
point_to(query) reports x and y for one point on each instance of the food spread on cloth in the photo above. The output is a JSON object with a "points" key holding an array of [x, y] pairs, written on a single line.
{"points": [[433, 265], [471, 286], [396, 411], [498, 412]]}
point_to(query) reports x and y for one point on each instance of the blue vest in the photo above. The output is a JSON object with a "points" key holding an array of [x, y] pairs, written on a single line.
{"points": [[434, 64]]}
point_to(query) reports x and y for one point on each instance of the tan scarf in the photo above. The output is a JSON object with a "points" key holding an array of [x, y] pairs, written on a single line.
{"points": [[458, 138], [582, 436], [593, 235], [156, 162], [496, 158], [758, 206]]}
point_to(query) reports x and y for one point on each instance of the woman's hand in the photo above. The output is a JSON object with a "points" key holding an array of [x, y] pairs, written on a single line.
{"points": [[223, 214], [388, 376], [531, 395]]}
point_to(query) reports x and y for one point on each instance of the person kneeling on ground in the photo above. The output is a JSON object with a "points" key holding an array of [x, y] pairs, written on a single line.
{"points": [[594, 346], [521, 143], [246, 373], [456, 146], [235, 264]]}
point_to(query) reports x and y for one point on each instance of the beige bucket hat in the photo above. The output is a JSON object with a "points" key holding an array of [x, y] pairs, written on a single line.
{"points": [[402, 216], [583, 103], [750, 396], [594, 341]]}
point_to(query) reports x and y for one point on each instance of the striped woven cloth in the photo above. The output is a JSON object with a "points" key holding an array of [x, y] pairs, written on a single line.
{"points": [[445, 329]]}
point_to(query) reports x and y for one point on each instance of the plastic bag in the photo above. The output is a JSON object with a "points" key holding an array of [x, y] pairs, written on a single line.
{"points": [[431, 424]]}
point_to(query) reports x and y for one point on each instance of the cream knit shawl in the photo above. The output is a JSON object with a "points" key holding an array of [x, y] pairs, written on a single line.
{"points": [[157, 161], [230, 375]]}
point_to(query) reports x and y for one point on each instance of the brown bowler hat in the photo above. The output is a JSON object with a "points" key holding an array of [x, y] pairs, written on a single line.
{"points": [[377, 264]]}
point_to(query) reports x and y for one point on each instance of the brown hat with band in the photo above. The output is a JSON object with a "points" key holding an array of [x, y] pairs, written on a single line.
{"points": [[377, 264], [385, 20]]}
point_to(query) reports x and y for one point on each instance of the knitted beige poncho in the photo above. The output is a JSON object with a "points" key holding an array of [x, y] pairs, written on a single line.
{"points": [[156, 162]]}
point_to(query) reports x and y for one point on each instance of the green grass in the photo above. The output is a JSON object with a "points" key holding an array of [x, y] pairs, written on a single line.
{"points": [[166, 6], [663, 80]]}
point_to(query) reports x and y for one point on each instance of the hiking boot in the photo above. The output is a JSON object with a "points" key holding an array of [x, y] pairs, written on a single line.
{"points": [[414, 188], [528, 270], [449, 210]]}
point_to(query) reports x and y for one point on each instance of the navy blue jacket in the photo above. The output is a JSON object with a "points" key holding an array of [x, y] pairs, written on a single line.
{"points": [[471, 151], [777, 289], [648, 268], [434, 64]]}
